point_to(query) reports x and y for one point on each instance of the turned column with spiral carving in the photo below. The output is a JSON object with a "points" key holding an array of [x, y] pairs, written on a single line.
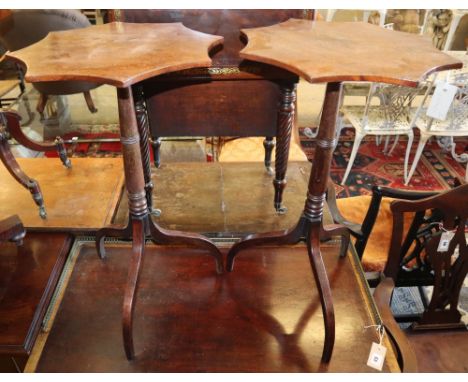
{"points": [[286, 116]]}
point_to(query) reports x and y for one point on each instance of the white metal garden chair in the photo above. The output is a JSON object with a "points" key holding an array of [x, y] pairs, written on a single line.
{"points": [[391, 115], [454, 125]]}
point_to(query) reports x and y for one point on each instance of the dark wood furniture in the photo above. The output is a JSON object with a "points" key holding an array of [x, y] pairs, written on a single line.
{"points": [[327, 52], [28, 276], [23, 27], [265, 317], [10, 128], [446, 270], [122, 54], [233, 97], [75, 201], [362, 231]]}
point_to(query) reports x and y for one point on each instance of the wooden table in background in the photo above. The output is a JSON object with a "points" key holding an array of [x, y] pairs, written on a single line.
{"points": [[76, 201], [265, 317]]}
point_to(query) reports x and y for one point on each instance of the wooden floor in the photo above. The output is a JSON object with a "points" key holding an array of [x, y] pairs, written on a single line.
{"points": [[265, 316]]}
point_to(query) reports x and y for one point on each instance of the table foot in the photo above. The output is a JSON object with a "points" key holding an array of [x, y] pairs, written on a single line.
{"points": [[155, 212], [310, 232], [138, 247], [285, 237], [323, 286], [329, 230], [165, 236], [159, 236], [122, 232]]}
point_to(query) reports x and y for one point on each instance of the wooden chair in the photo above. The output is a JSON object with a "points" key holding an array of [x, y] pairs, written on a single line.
{"points": [[24, 27], [455, 124], [413, 258], [392, 116], [10, 128]]}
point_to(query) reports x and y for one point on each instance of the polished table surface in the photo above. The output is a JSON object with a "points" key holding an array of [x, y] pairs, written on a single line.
{"points": [[118, 54], [346, 51], [264, 317]]}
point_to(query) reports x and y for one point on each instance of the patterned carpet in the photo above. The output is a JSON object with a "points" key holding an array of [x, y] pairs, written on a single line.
{"points": [[436, 169]]}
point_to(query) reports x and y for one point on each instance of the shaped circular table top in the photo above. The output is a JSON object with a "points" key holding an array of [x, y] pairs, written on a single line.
{"points": [[118, 54], [345, 51]]}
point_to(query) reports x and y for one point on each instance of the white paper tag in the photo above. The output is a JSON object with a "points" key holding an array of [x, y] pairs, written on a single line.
{"points": [[444, 242], [377, 356], [441, 100]]}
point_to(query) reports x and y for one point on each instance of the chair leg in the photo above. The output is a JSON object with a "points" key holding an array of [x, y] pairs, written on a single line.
{"points": [[397, 137], [268, 144], [357, 142], [156, 145], [407, 154], [89, 102], [41, 103], [419, 150]]}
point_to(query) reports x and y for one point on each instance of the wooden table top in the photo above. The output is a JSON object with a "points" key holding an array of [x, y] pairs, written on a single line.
{"points": [[118, 54], [322, 51]]}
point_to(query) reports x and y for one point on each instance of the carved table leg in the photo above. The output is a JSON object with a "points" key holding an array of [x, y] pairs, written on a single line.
{"points": [[310, 226], [268, 144], [143, 129], [286, 117], [138, 248], [6, 156], [138, 209], [140, 224], [14, 129]]}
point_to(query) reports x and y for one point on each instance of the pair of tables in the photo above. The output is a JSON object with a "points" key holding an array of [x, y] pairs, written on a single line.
{"points": [[122, 55]]}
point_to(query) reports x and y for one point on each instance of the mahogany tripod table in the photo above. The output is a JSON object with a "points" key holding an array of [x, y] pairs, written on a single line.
{"points": [[122, 54], [333, 52]]}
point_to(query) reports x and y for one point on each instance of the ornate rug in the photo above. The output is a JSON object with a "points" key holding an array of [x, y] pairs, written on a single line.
{"points": [[436, 169]]}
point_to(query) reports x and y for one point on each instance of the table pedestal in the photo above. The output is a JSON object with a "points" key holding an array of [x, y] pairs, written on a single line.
{"points": [[310, 226], [140, 225]]}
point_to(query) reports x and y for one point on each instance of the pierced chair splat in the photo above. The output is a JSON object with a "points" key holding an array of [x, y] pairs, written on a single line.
{"points": [[443, 252]]}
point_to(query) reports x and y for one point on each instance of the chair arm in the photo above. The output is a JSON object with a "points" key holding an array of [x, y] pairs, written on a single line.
{"points": [[402, 194], [406, 356]]}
